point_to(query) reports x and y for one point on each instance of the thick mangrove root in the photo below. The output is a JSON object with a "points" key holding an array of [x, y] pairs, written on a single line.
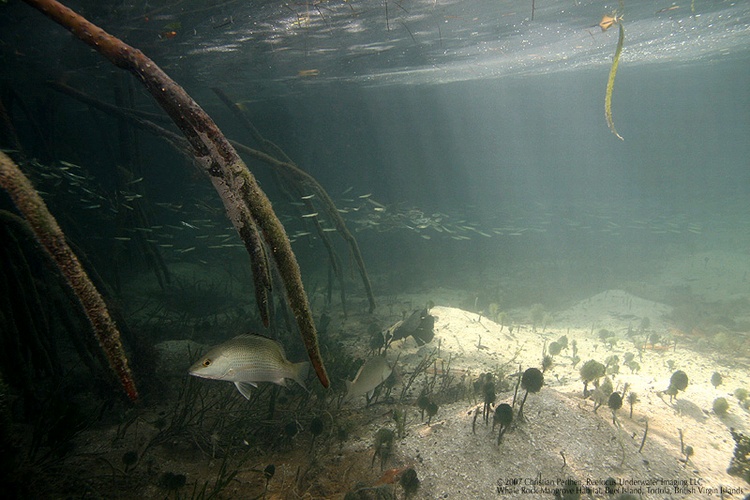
{"points": [[237, 187], [37, 308], [49, 234]]}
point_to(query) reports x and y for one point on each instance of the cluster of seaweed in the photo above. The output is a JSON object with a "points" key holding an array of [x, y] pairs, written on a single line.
{"points": [[530, 380], [223, 425]]}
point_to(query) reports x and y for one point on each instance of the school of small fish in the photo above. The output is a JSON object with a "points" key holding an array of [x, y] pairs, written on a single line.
{"points": [[197, 225]]}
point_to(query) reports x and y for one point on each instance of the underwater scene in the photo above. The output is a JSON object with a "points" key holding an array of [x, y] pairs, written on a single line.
{"points": [[375, 249]]}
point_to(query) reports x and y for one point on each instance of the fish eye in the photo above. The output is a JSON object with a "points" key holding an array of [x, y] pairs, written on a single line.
{"points": [[206, 361]]}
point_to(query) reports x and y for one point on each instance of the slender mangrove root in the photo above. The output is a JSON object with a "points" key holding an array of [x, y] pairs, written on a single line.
{"points": [[49, 234], [294, 190], [268, 147], [178, 142], [259, 266], [290, 169], [299, 179], [23, 338], [237, 187], [611, 83]]}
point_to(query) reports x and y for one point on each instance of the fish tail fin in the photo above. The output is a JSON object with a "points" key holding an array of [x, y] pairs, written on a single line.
{"points": [[300, 371]]}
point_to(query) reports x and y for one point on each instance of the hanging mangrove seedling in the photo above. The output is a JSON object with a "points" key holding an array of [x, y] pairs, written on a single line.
{"points": [[716, 379], [678, 382], [503, 417], [409, 482], [607, 22], [591, 372], [532, 380], [632, 399]]}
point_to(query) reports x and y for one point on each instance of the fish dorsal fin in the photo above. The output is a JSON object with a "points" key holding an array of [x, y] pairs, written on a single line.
{"points": [[245, 388]]}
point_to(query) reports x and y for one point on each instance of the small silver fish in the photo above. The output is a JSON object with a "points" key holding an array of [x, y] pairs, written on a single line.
{"points": [[248, 359], [370, 375]]}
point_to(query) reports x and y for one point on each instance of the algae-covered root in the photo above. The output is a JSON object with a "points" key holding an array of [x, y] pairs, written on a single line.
{"points": [[611, 83]]}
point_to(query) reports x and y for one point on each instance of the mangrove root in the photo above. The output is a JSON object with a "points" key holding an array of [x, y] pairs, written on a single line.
{"points": [[300, 183], [49, 234], [239, 191]]}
